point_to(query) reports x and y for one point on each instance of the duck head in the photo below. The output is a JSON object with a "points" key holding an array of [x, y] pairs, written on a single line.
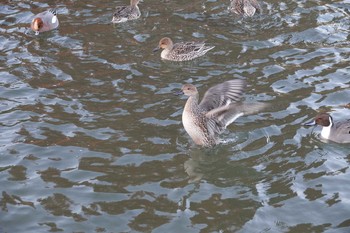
{"points": [[323, 119]]}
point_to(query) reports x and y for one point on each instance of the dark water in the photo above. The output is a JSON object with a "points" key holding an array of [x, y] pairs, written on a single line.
{"points": [[91, 135]]}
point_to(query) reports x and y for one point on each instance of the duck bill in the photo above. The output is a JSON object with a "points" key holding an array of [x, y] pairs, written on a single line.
{"points": [[179, 92], [156, 49], [311, 123]]}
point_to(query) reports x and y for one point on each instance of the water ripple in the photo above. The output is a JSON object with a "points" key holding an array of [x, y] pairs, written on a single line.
{"points": [[92, 133]]}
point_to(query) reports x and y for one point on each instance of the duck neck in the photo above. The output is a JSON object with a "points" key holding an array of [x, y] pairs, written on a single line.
{"points": [[134, 2], [326, 130], [192, 103]]}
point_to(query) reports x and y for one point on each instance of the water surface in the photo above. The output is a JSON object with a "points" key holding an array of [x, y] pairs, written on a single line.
{"points": [[91, 135]]}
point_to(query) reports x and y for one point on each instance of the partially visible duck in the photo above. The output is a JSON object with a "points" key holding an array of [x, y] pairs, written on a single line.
{"points": [[245, 7], [183, 51], [334, 131], [45, 21], [125, 13], [219, 107]]}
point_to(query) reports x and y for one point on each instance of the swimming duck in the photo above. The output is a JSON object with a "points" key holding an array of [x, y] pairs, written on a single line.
{"points": [[45, 21], [184, 51], [337, 132], [218, 108], [245, 7], [125, 13]]}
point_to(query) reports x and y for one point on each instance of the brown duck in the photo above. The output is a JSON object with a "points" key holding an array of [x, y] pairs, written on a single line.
{"points": [[219, 107], [245, 7]]}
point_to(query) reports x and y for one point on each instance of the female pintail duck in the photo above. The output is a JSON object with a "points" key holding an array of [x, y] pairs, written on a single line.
{"points": [[245, 7], [218, 108], [334, 131], [184, 51], [45, 21], [125, 13]]}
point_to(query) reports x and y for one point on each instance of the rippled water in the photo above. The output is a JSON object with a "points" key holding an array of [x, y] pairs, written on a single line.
{"points": [[91, 135]]}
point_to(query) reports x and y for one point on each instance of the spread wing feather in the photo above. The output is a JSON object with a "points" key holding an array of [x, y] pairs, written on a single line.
{"points": [[222, 94], [222, 107]]}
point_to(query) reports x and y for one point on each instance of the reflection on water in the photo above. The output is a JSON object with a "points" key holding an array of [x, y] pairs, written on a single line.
{"points": [[92, 139]]}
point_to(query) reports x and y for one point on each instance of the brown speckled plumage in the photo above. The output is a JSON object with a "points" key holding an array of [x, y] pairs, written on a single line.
{"points": [[219, 107], [245, 7], [184, 51], [125, 13]]}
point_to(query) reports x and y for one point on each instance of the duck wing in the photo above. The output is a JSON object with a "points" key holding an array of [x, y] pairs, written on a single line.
{"points": [[245, 7], [122, 12], [250, 7], [237, 6], [218, 104], [53, 11], [256, 5], [342, 132], [222, 94], [188, 47], [225, 115], [223, 108]]}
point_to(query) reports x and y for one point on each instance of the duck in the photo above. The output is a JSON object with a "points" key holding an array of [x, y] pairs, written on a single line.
{"points": [[245, 7], [45, 21], [219, 107], [183, 51], [125, 13], [338, 132]]}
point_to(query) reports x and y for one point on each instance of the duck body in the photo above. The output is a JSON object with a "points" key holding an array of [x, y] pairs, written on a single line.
{"points": [[195, 122], [45, 21], [183, 51], [206, 120], [340, 132], [245, 7], [125, 13]]}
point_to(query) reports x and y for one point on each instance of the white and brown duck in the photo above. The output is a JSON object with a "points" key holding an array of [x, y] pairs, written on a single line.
{"points": [[45, 21], [334, 131]]}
